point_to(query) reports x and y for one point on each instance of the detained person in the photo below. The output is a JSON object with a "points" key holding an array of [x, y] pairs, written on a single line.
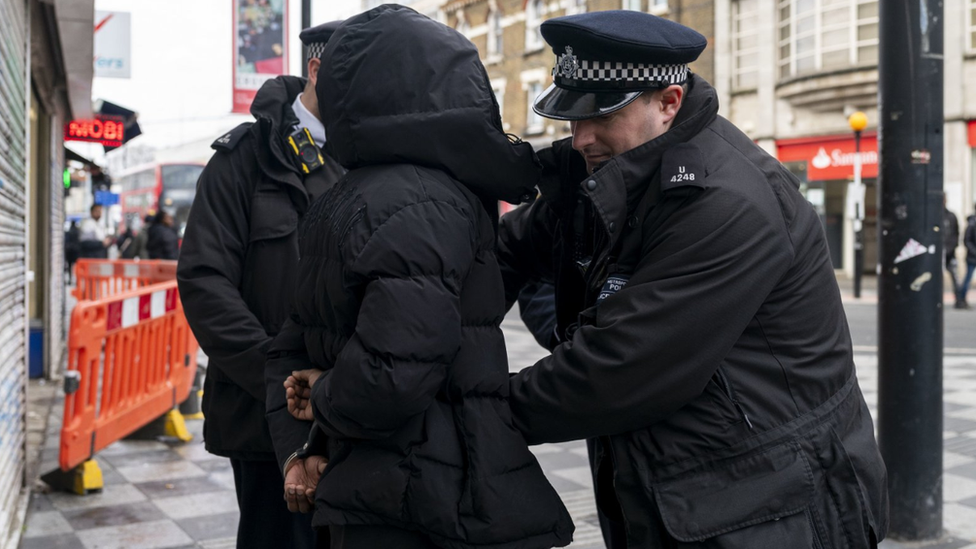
{"points": [[396, 341]]}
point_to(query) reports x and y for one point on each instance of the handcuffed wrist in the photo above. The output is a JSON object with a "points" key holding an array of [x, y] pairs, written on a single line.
{"points": [[289, 462]]}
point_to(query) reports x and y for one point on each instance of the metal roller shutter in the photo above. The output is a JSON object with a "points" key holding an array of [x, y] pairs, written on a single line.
{"points": [[13, 251], [54, 323]]}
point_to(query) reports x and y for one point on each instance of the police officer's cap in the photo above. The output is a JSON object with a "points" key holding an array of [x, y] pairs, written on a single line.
{"points": [[606, 59], [315, 38]]}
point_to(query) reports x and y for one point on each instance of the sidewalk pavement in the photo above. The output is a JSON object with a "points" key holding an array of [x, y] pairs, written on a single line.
{"points": [[161, 494]]}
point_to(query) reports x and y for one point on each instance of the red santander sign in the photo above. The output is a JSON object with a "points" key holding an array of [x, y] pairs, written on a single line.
{"points": [[831, 157], [107, 130]]}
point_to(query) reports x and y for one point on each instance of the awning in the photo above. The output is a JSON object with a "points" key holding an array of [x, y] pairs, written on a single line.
{"points": [[131, 117], [72, 155]]}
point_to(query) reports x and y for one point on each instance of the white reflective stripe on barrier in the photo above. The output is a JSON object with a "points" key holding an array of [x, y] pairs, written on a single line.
{"points": [[131, 271], [130, 312], [105, 269], [158, 306]]}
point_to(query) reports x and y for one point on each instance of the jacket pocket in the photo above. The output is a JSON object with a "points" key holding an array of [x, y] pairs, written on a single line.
{"points": [[760, 500], [272, 216]]}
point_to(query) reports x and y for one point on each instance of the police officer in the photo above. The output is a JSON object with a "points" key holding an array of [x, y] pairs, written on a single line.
{"points": [[701, 344], [236, 274]]}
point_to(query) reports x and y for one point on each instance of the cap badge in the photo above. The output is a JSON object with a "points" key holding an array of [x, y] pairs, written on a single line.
{"points": [[567, 64]]}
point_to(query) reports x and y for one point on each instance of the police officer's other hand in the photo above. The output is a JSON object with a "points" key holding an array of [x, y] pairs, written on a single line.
{"points": [[301, 478], [298, 391]]}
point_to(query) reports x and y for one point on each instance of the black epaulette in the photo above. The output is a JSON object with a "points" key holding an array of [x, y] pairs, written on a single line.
{"points": [[229, 140], [682, 166]]}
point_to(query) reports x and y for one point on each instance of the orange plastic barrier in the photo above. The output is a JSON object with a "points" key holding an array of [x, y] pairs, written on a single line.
{"points": [[135, 359], [98, 278]]}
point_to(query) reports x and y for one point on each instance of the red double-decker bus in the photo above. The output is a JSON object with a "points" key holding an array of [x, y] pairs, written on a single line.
{"points": [[148, 188]]}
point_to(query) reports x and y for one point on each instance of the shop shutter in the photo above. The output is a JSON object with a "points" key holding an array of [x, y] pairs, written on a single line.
{"points": [[13, 235], [55, 322]]}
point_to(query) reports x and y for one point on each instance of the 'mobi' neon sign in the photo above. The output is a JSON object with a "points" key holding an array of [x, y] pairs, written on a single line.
{"points": [[107, 130]]}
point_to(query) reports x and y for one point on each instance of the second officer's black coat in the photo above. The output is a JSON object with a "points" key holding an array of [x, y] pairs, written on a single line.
{"points": [[704, 346], [401, 298], [238, 262]]}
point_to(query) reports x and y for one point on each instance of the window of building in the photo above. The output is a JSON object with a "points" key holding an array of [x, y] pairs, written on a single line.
{"points": [[495, 31], [576, 6], [632, 5], [657, 6], [498, 88], [533, 122], [745, 44], [533, 25], [971, 26], [825, 35], [462, 22]]}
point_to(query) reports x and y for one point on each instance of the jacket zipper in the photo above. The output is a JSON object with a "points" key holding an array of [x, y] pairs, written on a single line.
{"points": [[727, 387]]}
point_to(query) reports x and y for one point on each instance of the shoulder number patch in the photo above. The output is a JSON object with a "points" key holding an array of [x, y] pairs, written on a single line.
{"points": [[682, 166], [229, 140]]}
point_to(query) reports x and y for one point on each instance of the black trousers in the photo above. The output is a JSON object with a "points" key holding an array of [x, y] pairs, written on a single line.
{"points": [[265, 520], [373, 537]]}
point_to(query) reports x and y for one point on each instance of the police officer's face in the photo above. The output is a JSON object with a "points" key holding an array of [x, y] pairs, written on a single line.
{"points": [[601, 138]]}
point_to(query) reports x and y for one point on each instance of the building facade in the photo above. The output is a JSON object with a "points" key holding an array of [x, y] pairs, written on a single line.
{"points": [[790, 72], [43, 84]]}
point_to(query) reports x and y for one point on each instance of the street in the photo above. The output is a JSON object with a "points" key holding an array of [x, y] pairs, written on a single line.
{"points": [[960, 328], [161, 494]]}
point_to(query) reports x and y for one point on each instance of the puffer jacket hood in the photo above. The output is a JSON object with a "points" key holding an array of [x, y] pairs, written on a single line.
{"points": [[436, 110]]}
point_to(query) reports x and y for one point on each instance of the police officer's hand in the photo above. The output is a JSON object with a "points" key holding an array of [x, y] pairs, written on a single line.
{"points": [[298, 391], [301, 478]]}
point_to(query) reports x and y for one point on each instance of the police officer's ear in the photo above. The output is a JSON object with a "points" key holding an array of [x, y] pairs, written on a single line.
{"points": [[669, 101], [313, 72]]}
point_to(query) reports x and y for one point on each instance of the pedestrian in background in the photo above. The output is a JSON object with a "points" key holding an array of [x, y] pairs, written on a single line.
{"points": [[163, 242], [237, 274], [139, 248], [969, 241], [92, 240], [396, 335], [950, 235], [71, 249], [701, 345], [124, 241]]}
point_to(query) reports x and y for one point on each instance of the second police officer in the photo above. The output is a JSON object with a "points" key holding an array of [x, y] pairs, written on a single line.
{"points": [[701, 344], [236, 273]]}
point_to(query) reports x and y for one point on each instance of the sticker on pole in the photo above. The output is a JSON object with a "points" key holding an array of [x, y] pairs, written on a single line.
{"points": [[912, 249]]}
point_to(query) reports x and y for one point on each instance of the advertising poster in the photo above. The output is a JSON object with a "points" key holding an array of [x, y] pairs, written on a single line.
{"points": [[260, 31], [113, 44]]}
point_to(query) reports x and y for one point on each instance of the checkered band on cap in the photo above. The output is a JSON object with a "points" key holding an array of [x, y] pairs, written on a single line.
{"points": [[315, 50], [587, 74], [603, 71]]}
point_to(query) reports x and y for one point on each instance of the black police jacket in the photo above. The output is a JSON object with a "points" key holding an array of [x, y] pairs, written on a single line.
{"points": [[238, 263], [704, 349], [400, 298]]}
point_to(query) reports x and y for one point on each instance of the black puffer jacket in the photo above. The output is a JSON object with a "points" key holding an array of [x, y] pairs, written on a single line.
{"points": [[400, 298]]}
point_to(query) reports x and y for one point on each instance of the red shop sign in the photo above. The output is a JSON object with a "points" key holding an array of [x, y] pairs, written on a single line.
{"points": [[107, 130], [831, 157]]}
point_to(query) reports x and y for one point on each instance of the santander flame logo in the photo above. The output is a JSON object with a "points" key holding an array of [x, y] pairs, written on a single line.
{"points": [[822, 160]]}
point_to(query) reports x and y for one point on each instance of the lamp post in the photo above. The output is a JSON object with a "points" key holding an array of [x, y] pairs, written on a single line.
{"points": [[858, 121]]}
